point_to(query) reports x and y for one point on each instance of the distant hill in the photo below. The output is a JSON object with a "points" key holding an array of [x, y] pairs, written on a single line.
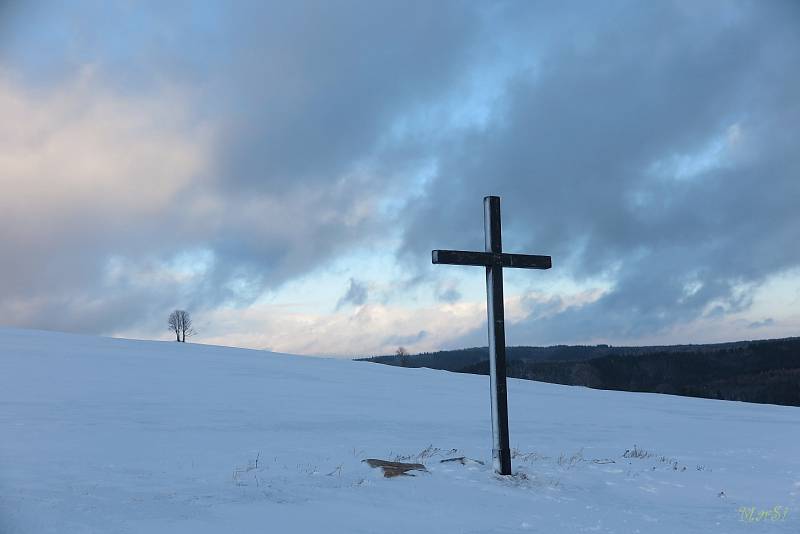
{"points": [[765, 371], [460, 359]]}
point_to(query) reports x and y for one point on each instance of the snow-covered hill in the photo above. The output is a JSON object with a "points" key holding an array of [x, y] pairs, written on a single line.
{"points": [[106, 435]]}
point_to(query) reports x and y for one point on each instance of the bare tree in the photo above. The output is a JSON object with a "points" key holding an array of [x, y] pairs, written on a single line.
{"points": [[180, 322], [186, 325], [402, 353], [174, 324]]}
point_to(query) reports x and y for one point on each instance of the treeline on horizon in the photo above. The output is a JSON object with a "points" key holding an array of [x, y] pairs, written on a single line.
{"points": [[766, 371]]}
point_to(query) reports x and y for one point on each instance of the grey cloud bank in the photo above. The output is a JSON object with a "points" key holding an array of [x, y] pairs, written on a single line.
{"points": [[663, 154], [653, 144]]}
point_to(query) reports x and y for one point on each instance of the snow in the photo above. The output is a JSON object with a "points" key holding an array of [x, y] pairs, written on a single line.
{"points": [[118, 436]]}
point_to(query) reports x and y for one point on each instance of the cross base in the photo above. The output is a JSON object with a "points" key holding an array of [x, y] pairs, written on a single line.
{"points": [[501, 461]]}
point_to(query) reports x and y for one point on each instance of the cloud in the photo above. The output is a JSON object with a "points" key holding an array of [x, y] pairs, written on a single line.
{"points": [[769, 321], [449, 295], [407, 339], [652, 145], [370, 330], [356, 294], [200, 156], [253, 133], [85, 175]]}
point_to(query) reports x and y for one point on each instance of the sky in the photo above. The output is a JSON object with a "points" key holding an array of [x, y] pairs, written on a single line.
{"points": [[282, 170]]}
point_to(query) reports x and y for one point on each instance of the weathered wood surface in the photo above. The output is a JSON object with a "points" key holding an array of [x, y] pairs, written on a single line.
{"points": [[490, 259], [501, 452]]}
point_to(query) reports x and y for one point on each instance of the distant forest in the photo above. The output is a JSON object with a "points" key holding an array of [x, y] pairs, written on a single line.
{"points": [[765, 371]]}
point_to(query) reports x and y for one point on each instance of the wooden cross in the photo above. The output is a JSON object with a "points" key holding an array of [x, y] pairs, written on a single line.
{"points": [[494, 259]]}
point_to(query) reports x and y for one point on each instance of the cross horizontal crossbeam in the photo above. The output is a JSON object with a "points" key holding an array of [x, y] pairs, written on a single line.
{"points": [[491, 259]]}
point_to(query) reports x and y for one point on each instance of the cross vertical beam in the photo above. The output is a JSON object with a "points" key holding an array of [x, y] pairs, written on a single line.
{"points": [[494, 259], [501, 451]]}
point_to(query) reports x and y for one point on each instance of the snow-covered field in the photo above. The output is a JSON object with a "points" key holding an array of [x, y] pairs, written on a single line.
{"points": [[106, 435]]}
